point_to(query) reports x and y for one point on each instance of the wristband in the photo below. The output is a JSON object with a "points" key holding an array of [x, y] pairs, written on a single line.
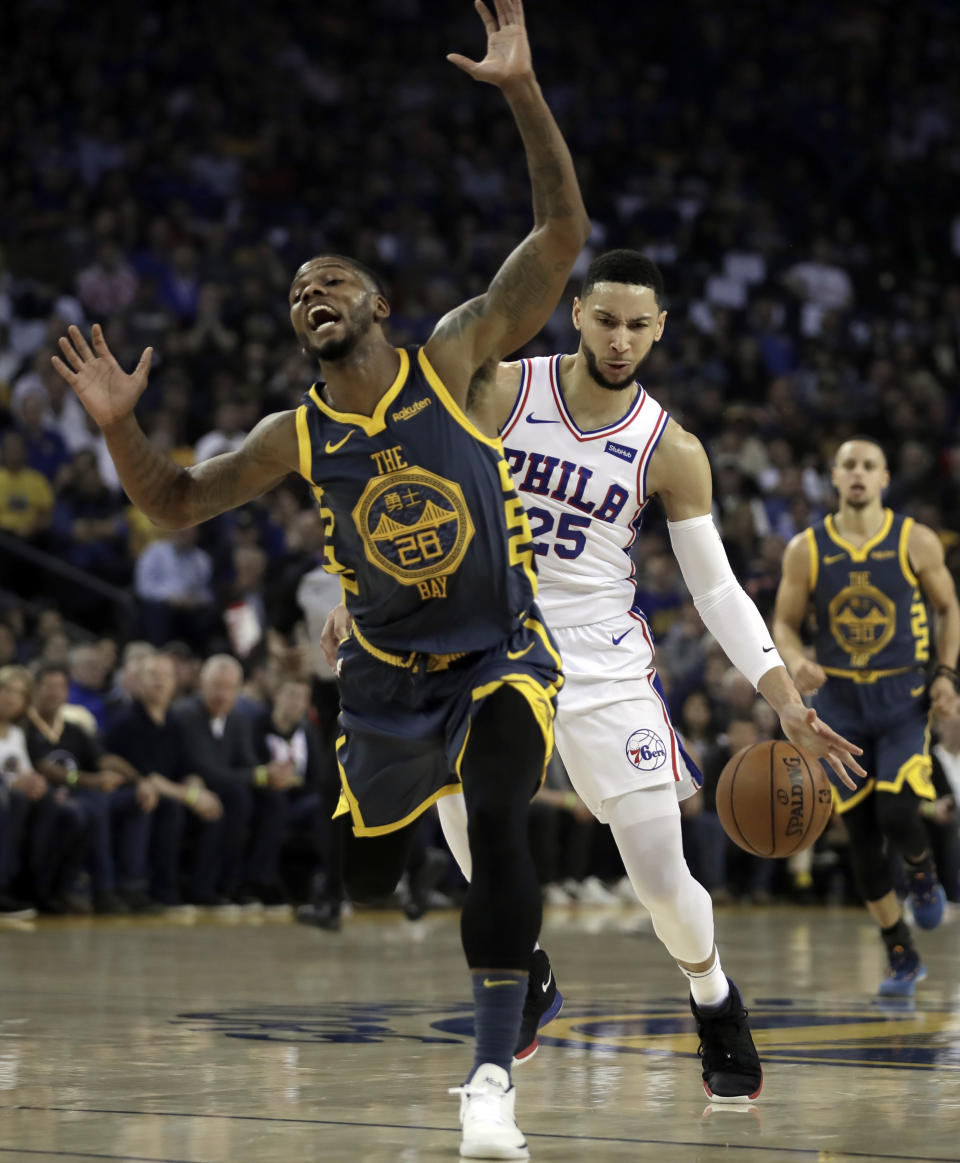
{"points": [[193, 796], [927, 809], [72, 776], [941, 670], [570, 800], [261, 775]]}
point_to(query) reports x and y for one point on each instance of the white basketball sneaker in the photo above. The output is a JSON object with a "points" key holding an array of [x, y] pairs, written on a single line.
{"points": [[489, 1128]]}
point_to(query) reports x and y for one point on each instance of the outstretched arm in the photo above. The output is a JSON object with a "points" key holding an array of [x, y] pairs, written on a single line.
{"points": [[528, 286], [680, 473], [171, 496]]}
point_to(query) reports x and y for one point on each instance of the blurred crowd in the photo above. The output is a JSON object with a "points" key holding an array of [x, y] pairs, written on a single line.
{"points": [[794, 172]]}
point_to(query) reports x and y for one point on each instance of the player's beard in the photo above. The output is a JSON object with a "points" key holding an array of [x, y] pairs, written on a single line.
{"points": [[357, 326], [597, 376]]}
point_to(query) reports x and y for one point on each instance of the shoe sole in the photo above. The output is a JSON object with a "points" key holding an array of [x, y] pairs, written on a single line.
{"points": [[726, 1100], [908, 986], [468, 1151], [930, 922], [546, 1018]]}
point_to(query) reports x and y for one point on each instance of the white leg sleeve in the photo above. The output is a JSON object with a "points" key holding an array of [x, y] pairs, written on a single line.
{"points": [[646, 826], [453, 822]]}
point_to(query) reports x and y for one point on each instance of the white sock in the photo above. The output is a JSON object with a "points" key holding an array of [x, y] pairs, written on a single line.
{"points": [[709, 987]]}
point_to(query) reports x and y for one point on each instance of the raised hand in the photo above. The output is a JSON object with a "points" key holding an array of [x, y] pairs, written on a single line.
{"points": [[508, 50], [803, 726], [104, 388]]}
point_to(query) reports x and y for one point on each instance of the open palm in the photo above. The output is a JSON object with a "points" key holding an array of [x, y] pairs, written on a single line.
{"points": [[508, 50], [104, 388]]}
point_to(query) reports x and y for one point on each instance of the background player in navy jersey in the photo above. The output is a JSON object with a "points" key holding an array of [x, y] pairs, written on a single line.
{"points": [[588, 447], [449, 678], [865, 573]]}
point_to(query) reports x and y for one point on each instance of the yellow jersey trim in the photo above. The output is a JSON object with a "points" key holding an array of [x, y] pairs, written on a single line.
{"points": [[814, 554], [303, 444], [371, 425], [451, 405], [840, 805], [540, 701], [904, 552], [866, 676], [862, 553]]}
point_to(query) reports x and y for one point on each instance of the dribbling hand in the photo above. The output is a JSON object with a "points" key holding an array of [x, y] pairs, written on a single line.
{"points": [[803, 726], [104, 388], [508, 50]]}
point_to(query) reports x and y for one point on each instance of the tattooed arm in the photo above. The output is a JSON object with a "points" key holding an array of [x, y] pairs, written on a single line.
{"points": [[528, 286], [171, 496]]}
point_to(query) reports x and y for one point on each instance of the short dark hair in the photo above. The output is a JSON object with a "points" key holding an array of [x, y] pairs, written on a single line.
{"points": [[624, 266], [368, 273], [46, 668]]}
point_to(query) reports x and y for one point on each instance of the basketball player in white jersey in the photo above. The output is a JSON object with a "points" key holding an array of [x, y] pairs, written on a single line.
{"points": [[588, 448]]}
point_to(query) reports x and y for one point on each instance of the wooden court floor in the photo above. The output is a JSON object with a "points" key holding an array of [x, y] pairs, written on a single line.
{"points": [[258, 1041]]}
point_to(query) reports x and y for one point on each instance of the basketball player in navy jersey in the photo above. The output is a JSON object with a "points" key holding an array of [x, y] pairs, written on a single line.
{"points": [[866, 573], [588, 447], [449, 678]]}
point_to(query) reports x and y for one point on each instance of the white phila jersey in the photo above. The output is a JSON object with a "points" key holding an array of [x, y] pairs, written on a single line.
{"points": [[584, 493]]}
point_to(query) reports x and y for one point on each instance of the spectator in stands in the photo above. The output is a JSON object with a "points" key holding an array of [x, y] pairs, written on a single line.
{"points": [[88, 679], [220, 747], [44, 837], [283, 734], [46, 449], [26, 498], [173, 579], [116, 801], [88, 529], [126, 686], [226, 435], [149, 738], [109, 284]]}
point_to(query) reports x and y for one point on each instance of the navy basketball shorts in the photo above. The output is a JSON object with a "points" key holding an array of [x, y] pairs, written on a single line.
{"points": [[406, 723], [889, 719]]}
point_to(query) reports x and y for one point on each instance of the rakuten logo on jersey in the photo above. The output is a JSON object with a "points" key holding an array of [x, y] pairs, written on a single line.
{"points": [[646, 751]]}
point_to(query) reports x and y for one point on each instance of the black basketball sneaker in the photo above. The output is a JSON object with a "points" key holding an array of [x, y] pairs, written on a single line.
{"points": [[731, 1064], [542, 1005]]}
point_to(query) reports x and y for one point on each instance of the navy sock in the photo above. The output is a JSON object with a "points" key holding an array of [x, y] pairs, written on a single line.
{"points": [[498, 997]]}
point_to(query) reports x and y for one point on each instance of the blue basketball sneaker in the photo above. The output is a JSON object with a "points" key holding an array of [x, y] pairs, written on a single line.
{"points": [[927, 899], [542, 1004], [906, 969]]}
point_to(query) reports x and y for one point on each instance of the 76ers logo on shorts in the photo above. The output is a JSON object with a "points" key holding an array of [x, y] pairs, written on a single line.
{"points": [[646, 751]]}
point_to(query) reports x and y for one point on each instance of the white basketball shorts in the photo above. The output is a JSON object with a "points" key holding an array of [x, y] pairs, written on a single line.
{"points": [[613, 728]]}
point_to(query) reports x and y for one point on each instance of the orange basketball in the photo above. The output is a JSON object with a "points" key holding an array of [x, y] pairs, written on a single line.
{"points": [[773, 799]]}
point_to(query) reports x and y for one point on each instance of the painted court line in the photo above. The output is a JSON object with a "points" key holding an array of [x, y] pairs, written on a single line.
{"points": [[818, 1152], [34, 1151]]}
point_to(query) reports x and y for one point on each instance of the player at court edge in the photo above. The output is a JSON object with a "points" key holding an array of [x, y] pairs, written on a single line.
{"points": [[449, 679], [588, 448], [866, 574]]}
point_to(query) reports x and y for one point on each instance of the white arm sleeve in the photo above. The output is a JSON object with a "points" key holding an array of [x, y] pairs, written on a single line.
{"points": [[727, 612]]}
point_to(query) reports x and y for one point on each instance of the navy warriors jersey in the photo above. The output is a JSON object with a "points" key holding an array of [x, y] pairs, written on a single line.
{"points": [[870, 617], [422, 521], [584, 493]]}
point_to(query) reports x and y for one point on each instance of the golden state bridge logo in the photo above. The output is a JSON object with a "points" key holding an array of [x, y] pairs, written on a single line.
{"points": [[415, 526], [889, 1033], [862, 618]]}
